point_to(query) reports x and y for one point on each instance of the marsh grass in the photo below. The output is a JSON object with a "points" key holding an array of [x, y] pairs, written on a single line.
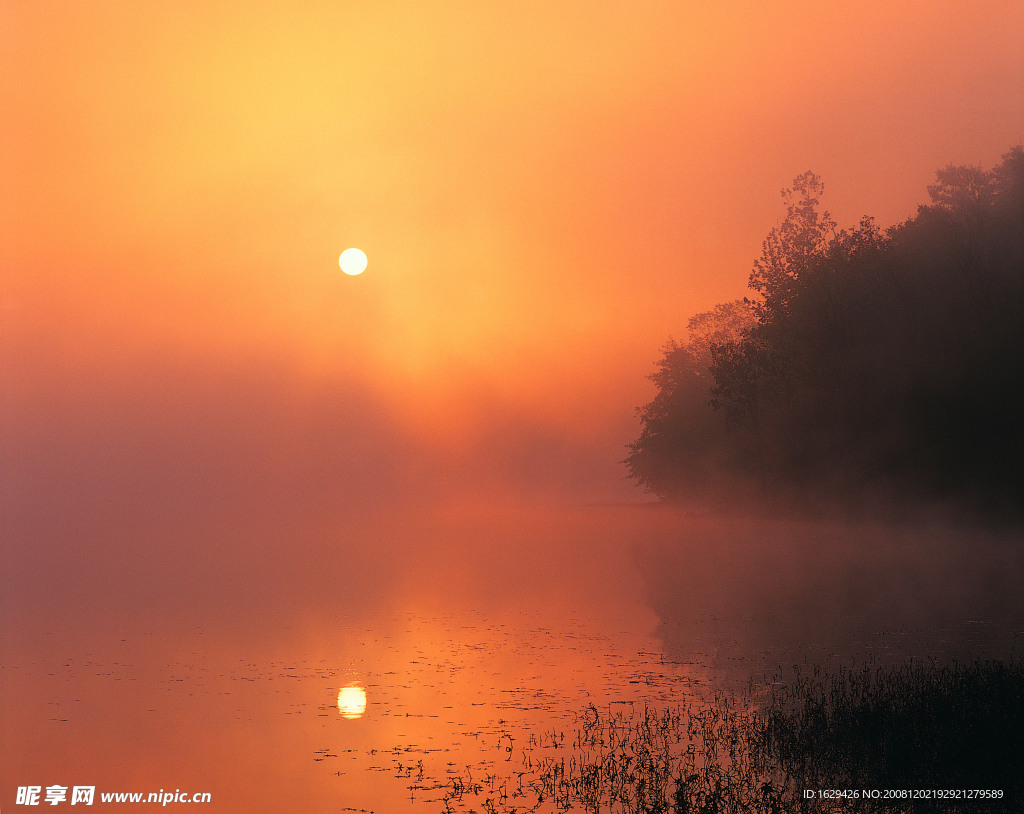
{"points": [[904, 728], [911, 727]]}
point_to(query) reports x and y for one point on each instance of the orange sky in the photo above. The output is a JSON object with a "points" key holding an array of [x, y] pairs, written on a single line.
{"points": [[546, 192]]}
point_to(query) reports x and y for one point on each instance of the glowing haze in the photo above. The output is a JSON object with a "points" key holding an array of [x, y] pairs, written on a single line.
{"points": [[547, 192], [221, 455]]}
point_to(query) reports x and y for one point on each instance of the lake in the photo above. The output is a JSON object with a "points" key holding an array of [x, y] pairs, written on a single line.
{"points": [[476, 637]]}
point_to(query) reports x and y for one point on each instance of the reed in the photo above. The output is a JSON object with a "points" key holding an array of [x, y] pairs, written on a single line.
{"points": [[917, 727], [913, 727]]}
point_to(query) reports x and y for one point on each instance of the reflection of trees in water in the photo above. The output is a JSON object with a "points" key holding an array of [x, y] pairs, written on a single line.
{"points": [[758, 593], [934, 732]]}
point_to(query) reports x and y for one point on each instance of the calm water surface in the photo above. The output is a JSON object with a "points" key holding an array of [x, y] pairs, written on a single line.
{"points": [[477, 638]]}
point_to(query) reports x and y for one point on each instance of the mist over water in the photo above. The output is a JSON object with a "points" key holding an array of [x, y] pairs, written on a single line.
{"points": [[235, 481], [756, 590], [200, 554], [756, 594], [174, 644]]}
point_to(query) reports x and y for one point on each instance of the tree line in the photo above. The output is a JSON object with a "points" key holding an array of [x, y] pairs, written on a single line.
{"points": [[868, 363]]}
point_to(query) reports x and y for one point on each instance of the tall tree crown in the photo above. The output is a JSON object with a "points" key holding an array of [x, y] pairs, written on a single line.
{"points": [[793, 247]]}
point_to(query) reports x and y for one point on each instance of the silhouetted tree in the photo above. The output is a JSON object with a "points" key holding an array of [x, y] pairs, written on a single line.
{"points": [[960, 188], [726, 323], [683, 443], [887, 361], [791, 249], [679, 433]]}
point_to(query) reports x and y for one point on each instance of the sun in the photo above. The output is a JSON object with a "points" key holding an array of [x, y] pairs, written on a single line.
{"points": [[352, 701], [352, 261]]}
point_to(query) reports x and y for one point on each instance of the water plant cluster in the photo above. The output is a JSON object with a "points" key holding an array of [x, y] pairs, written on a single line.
{"points": [[913, 727], [816, 742]]}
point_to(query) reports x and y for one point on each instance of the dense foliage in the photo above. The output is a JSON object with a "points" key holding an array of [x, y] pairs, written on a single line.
{"points": [[870, 362]]}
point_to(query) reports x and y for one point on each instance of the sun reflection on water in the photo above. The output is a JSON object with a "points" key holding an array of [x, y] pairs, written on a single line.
{"points": [[352, 701]]}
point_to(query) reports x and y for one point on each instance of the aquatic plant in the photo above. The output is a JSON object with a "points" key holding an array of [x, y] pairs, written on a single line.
{"points": [[634, 759], [781, 747], [913, 727]]}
